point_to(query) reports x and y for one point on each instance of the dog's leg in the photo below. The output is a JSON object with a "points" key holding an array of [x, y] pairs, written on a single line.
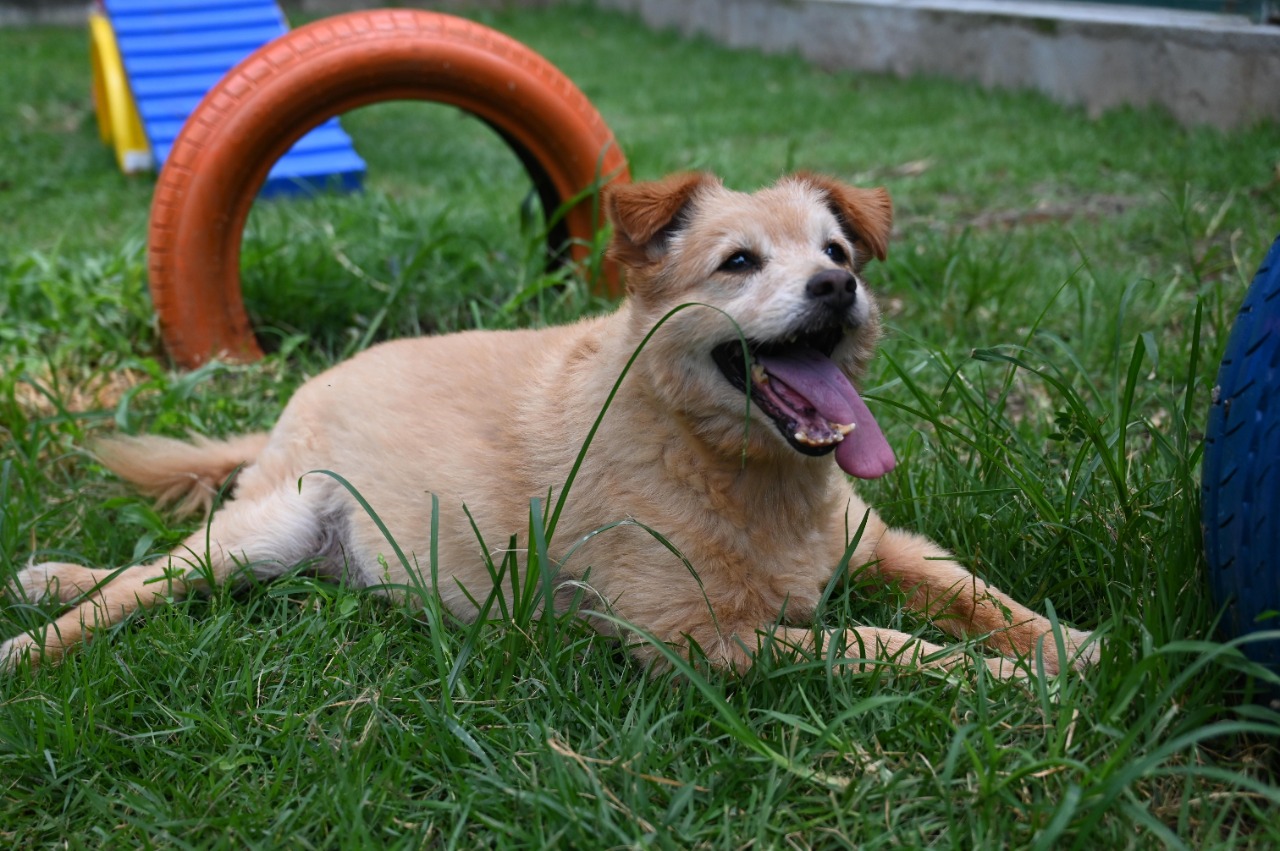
{"points": [[264, 536], [860, 649], [964, 606], [869, 646]]}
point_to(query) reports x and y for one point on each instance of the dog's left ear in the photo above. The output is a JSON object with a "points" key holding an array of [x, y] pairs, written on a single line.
{"points": [[644, 215], [865, 214]]}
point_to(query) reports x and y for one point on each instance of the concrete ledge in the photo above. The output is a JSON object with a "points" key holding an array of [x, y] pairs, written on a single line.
{"points": [[16, 13], [1204, 69], [1220, 70]]}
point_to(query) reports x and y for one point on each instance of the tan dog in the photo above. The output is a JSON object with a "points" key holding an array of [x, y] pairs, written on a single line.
{"points": [[750, 488]]}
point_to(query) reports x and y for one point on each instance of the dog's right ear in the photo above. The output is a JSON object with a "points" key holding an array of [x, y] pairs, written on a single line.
{"points": [[644, 215]]}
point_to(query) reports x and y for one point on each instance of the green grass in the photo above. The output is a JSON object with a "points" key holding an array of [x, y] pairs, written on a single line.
{"points": [[1058, 295]]}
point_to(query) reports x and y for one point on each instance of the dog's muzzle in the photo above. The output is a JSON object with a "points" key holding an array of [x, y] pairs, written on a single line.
{"points": [[809, 398]]}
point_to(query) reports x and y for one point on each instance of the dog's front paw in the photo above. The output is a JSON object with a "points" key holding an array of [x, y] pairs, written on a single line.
{"points": [[49, 580], [31, 584], [16, 650], [1078, 649], [1083, 650]]}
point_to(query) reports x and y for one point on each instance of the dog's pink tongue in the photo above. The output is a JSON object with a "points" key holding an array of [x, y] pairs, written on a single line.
{"points": [[864, 452]]}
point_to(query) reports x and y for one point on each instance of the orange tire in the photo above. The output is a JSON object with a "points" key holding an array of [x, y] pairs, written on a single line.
{"points": [[287, 87]]}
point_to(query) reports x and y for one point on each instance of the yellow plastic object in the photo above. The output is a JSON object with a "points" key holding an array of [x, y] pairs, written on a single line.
{"points": [[118, 121]]}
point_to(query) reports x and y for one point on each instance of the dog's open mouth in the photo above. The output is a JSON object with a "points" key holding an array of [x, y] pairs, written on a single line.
{"points": [[809, 398]]}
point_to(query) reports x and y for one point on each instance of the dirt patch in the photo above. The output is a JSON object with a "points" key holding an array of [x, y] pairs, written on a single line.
{"points": [[46, 394], [1090, 207]]}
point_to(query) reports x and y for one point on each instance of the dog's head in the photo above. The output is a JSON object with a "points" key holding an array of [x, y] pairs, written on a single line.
{"points": [[782, 266]]}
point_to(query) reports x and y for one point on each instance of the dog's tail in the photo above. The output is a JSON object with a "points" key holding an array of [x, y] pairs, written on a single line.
{"points": [[184, 474]]}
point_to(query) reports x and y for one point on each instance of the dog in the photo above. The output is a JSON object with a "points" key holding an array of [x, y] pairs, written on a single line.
{"points": [[733, 433]]}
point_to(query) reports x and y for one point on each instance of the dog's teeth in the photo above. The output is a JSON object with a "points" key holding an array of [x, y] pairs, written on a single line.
{"points": [[843, 428], [807, 439], [758, 375]]}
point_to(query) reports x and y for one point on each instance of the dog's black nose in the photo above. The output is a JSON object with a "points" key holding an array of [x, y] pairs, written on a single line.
{"points": [[835, 288]]}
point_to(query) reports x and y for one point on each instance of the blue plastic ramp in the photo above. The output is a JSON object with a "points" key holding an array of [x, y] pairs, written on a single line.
{"points": [[176, 50]]}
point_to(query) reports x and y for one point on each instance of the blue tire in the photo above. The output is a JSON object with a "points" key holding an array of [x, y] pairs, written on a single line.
{"points": [[1240, 510]]}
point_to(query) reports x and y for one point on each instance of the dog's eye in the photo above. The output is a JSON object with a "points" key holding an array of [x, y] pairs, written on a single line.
{"points": [[836, 252], [740, 262]]}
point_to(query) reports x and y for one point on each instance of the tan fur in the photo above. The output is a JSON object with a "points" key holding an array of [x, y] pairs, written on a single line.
{"points": [[185, 475], [490, 420]]}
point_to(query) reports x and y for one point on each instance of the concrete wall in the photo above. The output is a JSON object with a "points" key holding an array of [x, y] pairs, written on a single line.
{"points": [[73, 12], [21, 12], [1205, 69]]}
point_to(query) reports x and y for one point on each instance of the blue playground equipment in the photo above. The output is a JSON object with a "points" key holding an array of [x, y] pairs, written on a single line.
{"points": [[154, 60], [1241, 475]]}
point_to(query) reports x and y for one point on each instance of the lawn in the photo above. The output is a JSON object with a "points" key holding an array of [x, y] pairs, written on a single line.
{"points": [[1058, 295]]}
